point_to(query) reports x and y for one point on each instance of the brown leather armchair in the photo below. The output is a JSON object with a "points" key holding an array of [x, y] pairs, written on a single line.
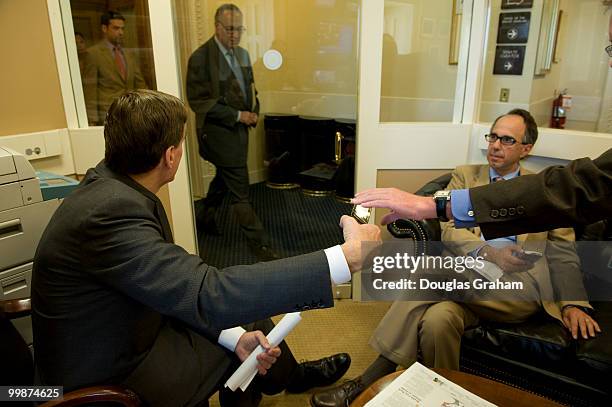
{"points": [[21, 372]]}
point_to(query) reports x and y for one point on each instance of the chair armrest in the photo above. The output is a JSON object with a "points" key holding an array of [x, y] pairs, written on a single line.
{"points": [[16, 308], [115, 394], [424, 233]]}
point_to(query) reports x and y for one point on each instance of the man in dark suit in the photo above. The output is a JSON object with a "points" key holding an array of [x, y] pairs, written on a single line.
{"points": [[109, 69], [116, 302], [221, 91], [578, 194]]}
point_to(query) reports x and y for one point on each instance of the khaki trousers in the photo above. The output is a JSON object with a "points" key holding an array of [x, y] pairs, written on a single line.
{"points": [[435, 328]]}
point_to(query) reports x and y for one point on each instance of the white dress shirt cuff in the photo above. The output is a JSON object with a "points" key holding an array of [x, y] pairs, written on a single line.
{"points": [[338, 267], [229, 337], [238, 117]]}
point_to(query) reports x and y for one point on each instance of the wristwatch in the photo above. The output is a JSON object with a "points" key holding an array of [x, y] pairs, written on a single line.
{"points": [[441, 198]]}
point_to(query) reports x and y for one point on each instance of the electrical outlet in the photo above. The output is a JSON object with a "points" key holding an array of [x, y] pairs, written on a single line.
{"points": [[504, 95]]}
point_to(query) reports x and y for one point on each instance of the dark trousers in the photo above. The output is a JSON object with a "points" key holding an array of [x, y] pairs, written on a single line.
{"points": [[235, 180], [185, 369], [273, 382]]}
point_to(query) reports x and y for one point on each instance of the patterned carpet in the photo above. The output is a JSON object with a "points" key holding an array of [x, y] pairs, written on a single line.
{"points": [[344, 328], [297, 224]]}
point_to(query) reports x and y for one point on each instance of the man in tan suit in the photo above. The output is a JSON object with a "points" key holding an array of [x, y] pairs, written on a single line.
{"points": [[434, 329], [110, 69]]}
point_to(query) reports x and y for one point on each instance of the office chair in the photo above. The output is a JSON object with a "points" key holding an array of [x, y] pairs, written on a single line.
{"points": [[14, 349]]}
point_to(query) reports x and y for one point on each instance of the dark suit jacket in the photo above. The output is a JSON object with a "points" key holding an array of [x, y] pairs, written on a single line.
{"points": [[580, 193], [214, 94], [110, 292], [102, 82]]}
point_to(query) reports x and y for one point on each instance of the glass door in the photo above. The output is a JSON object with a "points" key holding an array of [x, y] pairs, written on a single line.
{"points": [[303, 55]]}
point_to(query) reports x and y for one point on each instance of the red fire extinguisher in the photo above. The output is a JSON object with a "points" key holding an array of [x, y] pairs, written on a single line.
{"points": [[561, 104]]}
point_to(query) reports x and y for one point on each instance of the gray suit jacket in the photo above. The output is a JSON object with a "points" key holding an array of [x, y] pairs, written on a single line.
{"points": [[110, 292], [215, 95]]}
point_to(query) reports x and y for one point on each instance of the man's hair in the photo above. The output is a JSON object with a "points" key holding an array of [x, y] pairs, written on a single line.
{"points": [[111, 15], [531, 127], [140, 126], [226, 7]]}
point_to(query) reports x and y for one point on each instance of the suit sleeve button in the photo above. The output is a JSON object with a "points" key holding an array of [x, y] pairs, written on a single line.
{"points": [[503, 212], [494, 213], [512, 211], [520, 210]]}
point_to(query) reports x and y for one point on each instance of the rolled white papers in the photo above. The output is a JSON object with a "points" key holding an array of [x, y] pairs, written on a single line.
{"points": [[245, 373]]}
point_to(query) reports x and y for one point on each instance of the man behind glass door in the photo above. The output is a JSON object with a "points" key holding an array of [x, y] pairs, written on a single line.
{"points": [[221, 91], [110, 69]]}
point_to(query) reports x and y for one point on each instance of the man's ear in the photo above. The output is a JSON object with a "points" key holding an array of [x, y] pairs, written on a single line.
{"points": [[526, 150], [170, 157]]}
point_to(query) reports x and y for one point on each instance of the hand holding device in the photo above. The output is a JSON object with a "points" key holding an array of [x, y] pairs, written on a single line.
{"points": [[361, 214], [529, 255]]}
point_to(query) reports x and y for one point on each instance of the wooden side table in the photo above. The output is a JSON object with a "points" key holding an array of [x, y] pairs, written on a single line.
{"points": [[492, 391]]}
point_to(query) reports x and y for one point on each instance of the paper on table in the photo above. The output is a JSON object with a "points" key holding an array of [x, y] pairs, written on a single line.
{"points": [[419, 386], [245, 373]]}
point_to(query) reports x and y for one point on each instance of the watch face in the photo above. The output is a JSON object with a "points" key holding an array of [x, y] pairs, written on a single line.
{"points": [[361, 214], [442, 194]]}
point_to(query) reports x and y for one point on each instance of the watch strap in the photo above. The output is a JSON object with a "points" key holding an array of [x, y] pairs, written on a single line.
{"points": [[441, 208]]}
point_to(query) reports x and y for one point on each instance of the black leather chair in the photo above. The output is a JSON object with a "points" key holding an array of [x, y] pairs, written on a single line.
{"points": [[538, 355], [18, 365]]}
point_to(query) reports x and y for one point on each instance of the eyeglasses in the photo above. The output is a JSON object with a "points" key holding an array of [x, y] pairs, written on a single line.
{"points": [[609, 50], [231, 29], [505, 140]]}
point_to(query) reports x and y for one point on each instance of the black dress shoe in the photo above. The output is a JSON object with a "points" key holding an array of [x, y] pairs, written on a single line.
{"points": [[339, 396], [319, 373], [205, 221], [265, 253]]}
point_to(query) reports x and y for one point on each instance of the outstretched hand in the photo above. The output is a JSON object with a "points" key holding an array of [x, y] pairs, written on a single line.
{"points": [[401, 204], [248, 342], [354, 234]]}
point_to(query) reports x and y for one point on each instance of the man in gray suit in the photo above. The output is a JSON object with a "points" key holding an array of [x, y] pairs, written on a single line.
{"points": [[109, 69], [115, 301], [221, 91]]}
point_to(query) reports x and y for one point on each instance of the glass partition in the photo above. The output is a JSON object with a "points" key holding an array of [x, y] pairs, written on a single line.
{"points": [[113, 42], [564, 79], [420, 55], [301, 58]]}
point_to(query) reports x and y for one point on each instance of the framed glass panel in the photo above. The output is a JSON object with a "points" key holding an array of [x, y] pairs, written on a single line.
{"points": [[420, 54], [114, 51], [565, 80], [302, 59]]}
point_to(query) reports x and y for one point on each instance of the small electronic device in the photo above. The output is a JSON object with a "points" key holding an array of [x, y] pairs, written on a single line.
{"points": [[530, 256], [361, 214]]}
